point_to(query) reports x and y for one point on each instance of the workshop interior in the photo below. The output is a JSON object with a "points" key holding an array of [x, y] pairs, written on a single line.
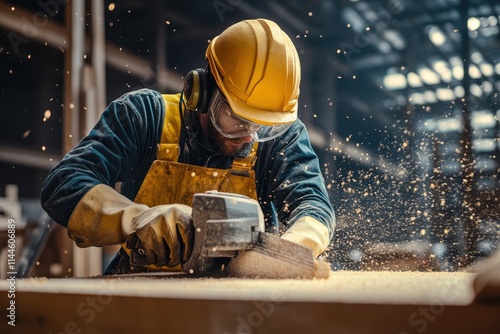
{"points": [[401, 99]]}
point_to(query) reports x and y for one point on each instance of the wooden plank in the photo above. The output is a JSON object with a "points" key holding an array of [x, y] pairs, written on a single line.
{"points": [[347, 302], [274, 257], [487, 282]]}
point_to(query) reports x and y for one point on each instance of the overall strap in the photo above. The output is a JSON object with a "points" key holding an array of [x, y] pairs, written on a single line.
{"points": [[243, 166], [168, 148]]}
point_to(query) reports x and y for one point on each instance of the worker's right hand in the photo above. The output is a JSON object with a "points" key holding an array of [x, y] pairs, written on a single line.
{"points": [[163, 236], [159, 235]]}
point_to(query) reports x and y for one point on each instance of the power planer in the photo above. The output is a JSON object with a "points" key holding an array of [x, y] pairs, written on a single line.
{"points": [[230, 238]]}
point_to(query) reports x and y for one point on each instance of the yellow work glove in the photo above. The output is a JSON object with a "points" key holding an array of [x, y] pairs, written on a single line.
{"points": [[163, 234], [309, 232]]}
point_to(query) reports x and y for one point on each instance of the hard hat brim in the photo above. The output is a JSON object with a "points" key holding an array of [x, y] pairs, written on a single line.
{"points": [[258, 115]]}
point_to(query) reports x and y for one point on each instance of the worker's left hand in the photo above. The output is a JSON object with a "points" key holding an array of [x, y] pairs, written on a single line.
{"points": [[309, 232], [163, 236]]}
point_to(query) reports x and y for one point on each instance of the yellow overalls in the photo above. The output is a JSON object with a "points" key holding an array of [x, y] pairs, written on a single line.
{"points": [[169, 182]]}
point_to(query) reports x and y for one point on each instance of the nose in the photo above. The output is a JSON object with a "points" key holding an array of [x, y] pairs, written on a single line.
{"points": [[246, 139]]}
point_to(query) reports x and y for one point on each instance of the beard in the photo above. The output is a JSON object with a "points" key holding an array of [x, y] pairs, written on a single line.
{"points": [[223, 145]]}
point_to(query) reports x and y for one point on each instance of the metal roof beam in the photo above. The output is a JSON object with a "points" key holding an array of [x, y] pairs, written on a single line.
{"points": [[20, 23]]}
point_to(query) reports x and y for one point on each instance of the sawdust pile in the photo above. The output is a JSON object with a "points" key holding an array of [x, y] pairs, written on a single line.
{"points": [[377, 287]]}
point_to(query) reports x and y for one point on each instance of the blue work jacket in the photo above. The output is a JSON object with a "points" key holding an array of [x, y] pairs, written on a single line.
{"points": [[122, 146]]}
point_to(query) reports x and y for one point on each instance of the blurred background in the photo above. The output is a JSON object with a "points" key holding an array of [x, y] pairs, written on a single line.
{"points": [[401, 99]]}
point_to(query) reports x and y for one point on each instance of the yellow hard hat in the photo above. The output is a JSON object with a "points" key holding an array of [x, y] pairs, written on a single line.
{"points": [[257, 68]]}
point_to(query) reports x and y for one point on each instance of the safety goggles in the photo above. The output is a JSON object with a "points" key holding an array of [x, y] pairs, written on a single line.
{"points": [[231, 125]]}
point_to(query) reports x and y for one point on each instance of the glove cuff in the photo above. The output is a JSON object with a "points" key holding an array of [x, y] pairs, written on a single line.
{"points": [[309, 232], [103, 217]]}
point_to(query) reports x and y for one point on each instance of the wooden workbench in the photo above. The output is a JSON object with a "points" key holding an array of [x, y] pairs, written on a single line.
{"points": [[346, 302]]}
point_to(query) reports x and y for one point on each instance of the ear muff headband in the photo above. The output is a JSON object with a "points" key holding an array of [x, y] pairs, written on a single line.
{"points": [[195, 90]]}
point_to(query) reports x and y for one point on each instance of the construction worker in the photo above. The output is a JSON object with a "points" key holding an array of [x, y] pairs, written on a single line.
{"points": [[233, 128]]}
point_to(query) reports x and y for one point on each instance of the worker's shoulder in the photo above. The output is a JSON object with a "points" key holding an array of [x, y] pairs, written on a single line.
{"points": [[140, 97], [297, 128], [142, 104]]}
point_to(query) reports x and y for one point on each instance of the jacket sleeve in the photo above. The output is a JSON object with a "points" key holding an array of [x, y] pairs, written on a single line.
{"points": [[123, 141], [290, 178]]}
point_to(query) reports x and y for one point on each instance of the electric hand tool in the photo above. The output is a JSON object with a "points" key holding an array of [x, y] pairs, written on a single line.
{"points": [[230, 238], [229, 229]]}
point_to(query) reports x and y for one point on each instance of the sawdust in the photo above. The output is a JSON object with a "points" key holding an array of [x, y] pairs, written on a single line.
{"points": [[378, 287], [321, 269]]}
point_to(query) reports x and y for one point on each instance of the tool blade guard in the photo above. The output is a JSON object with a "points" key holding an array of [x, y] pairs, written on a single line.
{"points": [[224, 224]]}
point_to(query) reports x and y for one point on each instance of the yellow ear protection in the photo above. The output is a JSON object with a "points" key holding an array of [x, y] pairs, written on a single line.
{"points": [[196, 90]]}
